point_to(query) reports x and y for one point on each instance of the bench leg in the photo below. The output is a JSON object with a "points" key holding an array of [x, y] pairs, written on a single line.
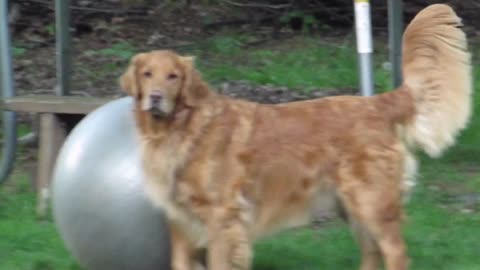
{"points": [[52, 135]]}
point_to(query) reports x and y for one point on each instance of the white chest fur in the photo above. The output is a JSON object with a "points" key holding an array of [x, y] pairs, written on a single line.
{"points": [[159, 166]]}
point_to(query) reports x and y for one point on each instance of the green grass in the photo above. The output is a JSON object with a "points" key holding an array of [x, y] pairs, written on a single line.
{"points": [[439, 233], [304, 64], [18, 51], [122, 49], [25, 242]]}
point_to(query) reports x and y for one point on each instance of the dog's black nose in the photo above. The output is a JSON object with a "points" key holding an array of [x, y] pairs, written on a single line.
{"points": [[156, 96]]}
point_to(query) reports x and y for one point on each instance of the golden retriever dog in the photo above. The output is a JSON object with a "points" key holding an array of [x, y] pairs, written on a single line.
{"points": [[229, 171]]}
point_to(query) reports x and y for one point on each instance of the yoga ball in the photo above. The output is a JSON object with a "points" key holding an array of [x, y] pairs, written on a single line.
{"points": [[98, 202]]}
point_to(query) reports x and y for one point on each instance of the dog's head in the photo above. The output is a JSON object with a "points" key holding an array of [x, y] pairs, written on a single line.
{"points": [[160, 80]]}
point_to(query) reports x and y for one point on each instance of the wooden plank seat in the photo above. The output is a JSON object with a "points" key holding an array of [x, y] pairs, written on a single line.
{"points": [[53, 104], [57, 115]]}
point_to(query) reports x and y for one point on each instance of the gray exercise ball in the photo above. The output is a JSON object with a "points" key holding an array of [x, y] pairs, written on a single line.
{"points": [[98, 201]]}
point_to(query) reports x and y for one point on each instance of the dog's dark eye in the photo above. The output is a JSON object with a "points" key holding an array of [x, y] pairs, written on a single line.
{"points": [[172, 76], [147, 74]]}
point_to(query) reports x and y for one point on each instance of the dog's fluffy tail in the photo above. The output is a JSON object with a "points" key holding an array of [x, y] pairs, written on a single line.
{"points": [[437, 72]]}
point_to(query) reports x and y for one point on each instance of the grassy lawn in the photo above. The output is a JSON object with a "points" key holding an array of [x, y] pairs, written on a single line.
{"points": [[444, 212], [303, 63]]}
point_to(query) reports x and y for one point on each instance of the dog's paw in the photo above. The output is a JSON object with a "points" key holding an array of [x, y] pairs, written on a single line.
{"points": [[241, 257]]}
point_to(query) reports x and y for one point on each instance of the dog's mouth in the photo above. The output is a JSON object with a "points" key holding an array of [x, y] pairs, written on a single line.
{"points": [[159, 109], [157, 113]]}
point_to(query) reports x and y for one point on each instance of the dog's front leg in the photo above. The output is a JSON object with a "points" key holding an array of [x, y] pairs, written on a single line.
{"points": [[229, 246], [182, 252]]}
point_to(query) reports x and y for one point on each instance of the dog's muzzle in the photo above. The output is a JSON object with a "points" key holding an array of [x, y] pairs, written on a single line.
{"points": [[156, 98]]}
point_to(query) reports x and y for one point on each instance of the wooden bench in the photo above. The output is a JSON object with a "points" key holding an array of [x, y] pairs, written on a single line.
{"points": [[57, 117]]}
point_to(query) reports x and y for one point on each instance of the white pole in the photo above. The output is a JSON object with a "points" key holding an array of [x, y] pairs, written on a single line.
{"points": [[363, 29]]}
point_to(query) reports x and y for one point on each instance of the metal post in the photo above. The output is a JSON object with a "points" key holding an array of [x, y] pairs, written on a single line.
{"points": [[9, 118], [395, 30], [63, 50], [363, 29]]}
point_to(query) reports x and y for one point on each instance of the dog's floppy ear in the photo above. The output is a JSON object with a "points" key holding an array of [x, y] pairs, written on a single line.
{"points": [[128, 80], [194, 89], [188, 60]]}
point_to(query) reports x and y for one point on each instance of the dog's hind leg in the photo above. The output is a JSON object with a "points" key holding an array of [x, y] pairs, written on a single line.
{"points": [[378, 222], [371, 255], [387, 233], [371, 190]]}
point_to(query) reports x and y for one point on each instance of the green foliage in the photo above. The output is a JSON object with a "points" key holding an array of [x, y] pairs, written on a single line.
{"points": [[50, 28], [23, 129], [225, 45], [308, 20], [123, 50], [18, 51], [207, 19], [291, 14]]}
